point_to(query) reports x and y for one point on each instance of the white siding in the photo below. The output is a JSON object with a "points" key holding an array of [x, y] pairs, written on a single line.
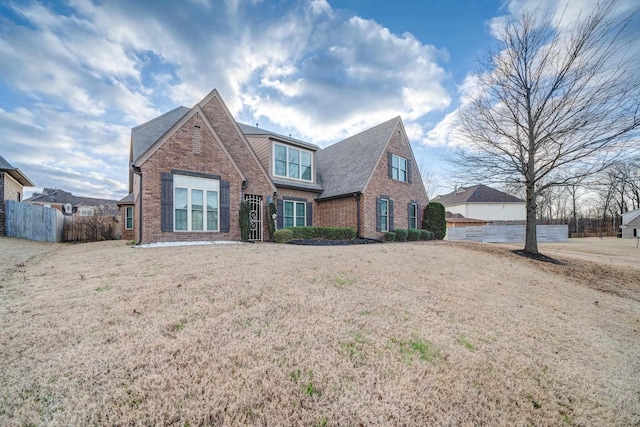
{"points": [[491, 211]]}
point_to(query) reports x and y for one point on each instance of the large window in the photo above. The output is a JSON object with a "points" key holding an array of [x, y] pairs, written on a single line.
{"points": [[398, 168], [384, 215], [196, 202], [292, 162], [413, 215], [294, 214], [128, 218]]}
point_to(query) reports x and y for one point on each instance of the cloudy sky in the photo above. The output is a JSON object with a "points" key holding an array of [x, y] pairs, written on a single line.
{"points": [[76, 75]]}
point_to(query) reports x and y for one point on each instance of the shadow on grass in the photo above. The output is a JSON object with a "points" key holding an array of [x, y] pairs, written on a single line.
{"points": [[537, 257]]}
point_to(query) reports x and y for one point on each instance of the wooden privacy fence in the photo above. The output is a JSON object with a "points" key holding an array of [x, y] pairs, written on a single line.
{"points": [[508, 233], [33, 222]]}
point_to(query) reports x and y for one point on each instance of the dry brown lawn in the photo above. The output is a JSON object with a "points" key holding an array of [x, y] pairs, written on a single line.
{"points": [[428, 333]]}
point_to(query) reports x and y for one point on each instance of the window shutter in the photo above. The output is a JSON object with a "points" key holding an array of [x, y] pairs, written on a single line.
{"points": [[418, 222], [390, 161], [280, 213], [378, 213], [409, 171], [391, 227], [309, 214], [409, 215], [224, 207], [166, 202]]}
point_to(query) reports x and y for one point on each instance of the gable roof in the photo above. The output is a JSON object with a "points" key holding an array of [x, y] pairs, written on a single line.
{"points": [[56, 195], [476, 194], [335, 164], [15, 173], [145, 135], [248, 130], [627, 217]]}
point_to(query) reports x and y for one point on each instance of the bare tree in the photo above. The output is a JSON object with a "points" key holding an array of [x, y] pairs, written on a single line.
{"points": [[430, 181], [555, 103]]}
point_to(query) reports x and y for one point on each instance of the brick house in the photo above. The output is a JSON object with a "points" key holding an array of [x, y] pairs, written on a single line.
{"points": [[12, 183], [191, 168]]}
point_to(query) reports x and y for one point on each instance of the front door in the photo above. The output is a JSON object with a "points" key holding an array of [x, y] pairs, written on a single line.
{"points": [[255, 216]]}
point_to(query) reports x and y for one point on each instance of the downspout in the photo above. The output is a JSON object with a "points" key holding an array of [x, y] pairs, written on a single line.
{"points": [[139, 173], [357, 196]]}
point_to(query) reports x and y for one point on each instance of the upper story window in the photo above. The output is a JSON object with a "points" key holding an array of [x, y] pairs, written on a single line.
{"points": [[292, 162], [398, 168]]}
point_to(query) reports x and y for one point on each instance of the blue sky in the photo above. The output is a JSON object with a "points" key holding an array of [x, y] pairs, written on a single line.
{"points": [[75, 76]]}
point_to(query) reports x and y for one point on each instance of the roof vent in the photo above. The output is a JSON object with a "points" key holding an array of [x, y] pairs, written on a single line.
{"points": [[257, 125]]}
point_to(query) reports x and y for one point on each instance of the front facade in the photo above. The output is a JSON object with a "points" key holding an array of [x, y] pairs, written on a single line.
{"points": [[191, 168], [631, 224], [484, 203], [12, 183]]}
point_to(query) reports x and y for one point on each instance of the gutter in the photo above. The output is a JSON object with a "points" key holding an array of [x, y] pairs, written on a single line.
{"points": [[137, 171], [357, 196]]}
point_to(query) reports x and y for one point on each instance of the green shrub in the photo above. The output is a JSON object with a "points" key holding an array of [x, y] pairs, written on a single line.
{"points": [[283, 236], [401, 234], [389, 236], [271, 223], [326, 233], [413, 234], [425, 235], [245, 212], [434, 219], [432, 235]]}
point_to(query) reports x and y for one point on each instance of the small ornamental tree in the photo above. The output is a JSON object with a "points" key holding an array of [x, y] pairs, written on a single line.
{"points": [[271, 221], [434, 220], [245, 211]]}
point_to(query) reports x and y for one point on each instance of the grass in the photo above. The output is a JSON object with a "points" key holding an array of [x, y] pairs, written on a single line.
{"points": [[255, 335]]}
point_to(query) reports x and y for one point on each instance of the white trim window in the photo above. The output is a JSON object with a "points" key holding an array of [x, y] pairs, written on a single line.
{"points": [[195, 204], [294, 163], [413, 215], [128, 217], [398, 168], [295, 214], [384, 215]]}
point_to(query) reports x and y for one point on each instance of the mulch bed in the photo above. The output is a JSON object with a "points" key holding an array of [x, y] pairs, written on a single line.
{"points": [[537, 257], [323, 242]]}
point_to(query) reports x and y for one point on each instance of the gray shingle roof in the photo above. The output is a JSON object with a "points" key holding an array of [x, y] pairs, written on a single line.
{"points": [[345, 167], [146, 134], [476, 194], [252, 130], [126, 200], [15, 173], [4, 165]]}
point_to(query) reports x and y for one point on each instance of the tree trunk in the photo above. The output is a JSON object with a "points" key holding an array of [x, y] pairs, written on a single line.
{"points": [[531, 239]]}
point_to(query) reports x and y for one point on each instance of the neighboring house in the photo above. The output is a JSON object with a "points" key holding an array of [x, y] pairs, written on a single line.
{"points": [[484, 203], [631, 224], [69, 204], [457, 220], [12, 183], [191, 168]]}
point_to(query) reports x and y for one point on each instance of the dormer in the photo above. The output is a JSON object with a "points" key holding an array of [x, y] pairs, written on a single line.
{"points": [[289, 161]]}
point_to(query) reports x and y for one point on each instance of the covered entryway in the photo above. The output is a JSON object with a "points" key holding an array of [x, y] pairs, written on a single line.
{"points": [[255, 216]]}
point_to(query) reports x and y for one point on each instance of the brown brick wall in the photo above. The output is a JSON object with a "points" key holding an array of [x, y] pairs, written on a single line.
{"points": [[338, 212], [9, 189], [400, 192], [178, 153], [127, 234]]}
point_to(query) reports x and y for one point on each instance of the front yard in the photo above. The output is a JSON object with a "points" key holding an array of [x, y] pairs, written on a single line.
{"points": [[424, 333]]}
